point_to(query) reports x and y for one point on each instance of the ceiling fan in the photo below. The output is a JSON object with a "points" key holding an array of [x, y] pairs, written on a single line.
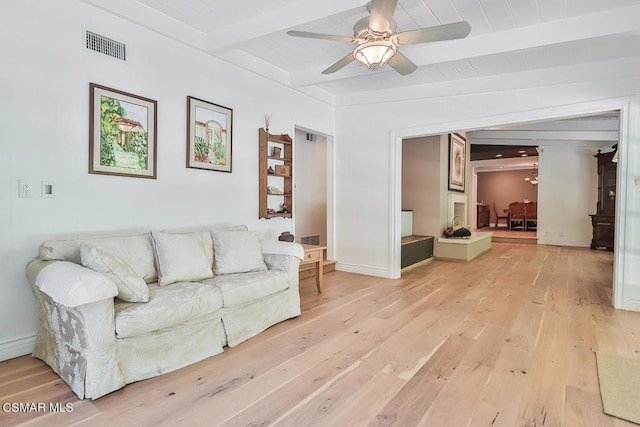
{"points": [[377, 40]]}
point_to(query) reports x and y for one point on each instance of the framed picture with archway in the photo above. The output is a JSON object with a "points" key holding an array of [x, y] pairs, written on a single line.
{"points": [[457, 162], [208, 135]]}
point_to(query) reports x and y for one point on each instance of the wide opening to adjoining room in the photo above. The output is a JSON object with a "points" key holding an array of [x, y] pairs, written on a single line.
{"points": [[508, 176]]}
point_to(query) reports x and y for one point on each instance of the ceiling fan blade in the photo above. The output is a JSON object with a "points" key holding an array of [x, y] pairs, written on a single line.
{"points": [[332, 37], [402, 64], [340, 64], [381, 12], [456, 30]]}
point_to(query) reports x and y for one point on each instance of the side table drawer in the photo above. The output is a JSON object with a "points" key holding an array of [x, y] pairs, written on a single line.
{"points": [[311, 256]]}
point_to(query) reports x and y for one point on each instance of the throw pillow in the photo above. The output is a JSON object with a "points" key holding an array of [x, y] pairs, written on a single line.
{"points": [[237, 251], [131, 287], [185, 257]]}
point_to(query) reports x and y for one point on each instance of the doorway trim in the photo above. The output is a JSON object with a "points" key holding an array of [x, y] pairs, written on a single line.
{"points": [[623, 105]]}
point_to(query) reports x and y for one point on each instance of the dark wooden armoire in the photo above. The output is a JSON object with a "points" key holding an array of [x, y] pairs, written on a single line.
{"points": [[603, 221]]}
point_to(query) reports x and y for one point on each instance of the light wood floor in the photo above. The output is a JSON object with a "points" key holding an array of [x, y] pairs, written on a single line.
{"points": [[505, 340], [503, 235]]}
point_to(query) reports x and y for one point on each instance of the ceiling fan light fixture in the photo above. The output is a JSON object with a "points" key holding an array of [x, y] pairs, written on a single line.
{"points": [[374, 54]]}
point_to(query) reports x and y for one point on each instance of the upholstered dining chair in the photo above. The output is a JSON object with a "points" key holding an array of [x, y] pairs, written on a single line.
{"points": [[499, 218], [516, 216], [531, 216]]}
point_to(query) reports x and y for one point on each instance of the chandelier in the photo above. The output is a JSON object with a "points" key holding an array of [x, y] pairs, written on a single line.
{"points": [[533, 179]]}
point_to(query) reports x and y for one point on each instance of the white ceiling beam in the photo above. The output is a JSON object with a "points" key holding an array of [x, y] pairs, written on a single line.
{"points": [[249, 62], [608, 122], [514, 163], [602, 71], [241, 29], [557, 135], [294, 14], [541, 142], [154, 20], [595, 25]]}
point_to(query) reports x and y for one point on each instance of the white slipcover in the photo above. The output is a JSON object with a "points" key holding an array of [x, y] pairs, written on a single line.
{"points": [[98, 343]]}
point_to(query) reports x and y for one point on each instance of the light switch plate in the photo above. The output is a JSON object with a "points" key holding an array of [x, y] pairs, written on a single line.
{"points": [[47, 189]]}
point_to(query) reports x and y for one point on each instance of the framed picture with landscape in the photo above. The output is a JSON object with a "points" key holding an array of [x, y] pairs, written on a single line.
{"points": [[457, 162], [209, 134], [122, 133]]}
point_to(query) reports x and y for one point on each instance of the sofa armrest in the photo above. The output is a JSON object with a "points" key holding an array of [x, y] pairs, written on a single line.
{"points": [[76, 337], [273, 247], [73, 285], [284, 256], [287, 263]]}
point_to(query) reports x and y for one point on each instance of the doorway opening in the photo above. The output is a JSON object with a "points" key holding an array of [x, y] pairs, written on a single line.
{"points": [[315, 192], [520, 118]]}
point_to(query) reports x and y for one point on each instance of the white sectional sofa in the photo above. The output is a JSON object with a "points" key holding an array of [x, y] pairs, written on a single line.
{"points": [[114, 310]]}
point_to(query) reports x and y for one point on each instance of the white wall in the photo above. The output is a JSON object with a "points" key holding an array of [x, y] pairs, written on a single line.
{"points": [[44, 86], [421, 184], [310, 164], [567, 194], [367, 164]]}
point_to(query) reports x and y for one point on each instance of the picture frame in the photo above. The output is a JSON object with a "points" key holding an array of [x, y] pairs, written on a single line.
{"points": [[122, 133], [276, 152], [457, 162], [209, 135]]}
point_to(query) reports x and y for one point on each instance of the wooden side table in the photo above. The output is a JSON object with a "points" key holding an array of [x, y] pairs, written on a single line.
{"points": [[315, 255]]}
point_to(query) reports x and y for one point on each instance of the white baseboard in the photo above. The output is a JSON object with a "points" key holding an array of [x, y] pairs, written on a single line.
{"points": [[367, 271], [17, 347], [633, 304]]}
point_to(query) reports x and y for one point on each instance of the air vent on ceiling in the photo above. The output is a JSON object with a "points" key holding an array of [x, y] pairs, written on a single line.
{"points": [[105, 45], [310, 240]]}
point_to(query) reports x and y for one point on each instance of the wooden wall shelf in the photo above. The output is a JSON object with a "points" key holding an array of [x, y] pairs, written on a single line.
{"points": [[274, 150]]}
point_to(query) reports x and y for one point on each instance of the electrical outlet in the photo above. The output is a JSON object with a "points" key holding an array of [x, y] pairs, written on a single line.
{"points": [[25, 189]]}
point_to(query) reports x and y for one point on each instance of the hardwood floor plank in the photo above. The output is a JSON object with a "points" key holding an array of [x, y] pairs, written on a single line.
{"points": [[455, 404], [411, 403], [23, 381], [498, 402], [584, 408]]}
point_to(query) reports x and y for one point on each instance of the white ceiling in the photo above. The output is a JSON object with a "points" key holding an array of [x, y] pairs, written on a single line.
{"points": [[509, 38]]}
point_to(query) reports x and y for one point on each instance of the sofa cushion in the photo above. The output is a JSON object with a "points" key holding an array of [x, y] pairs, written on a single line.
{"points": [[131, 287], [137, 250], [183, 257], [239, 289], [168, 306], [237, 251]]}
